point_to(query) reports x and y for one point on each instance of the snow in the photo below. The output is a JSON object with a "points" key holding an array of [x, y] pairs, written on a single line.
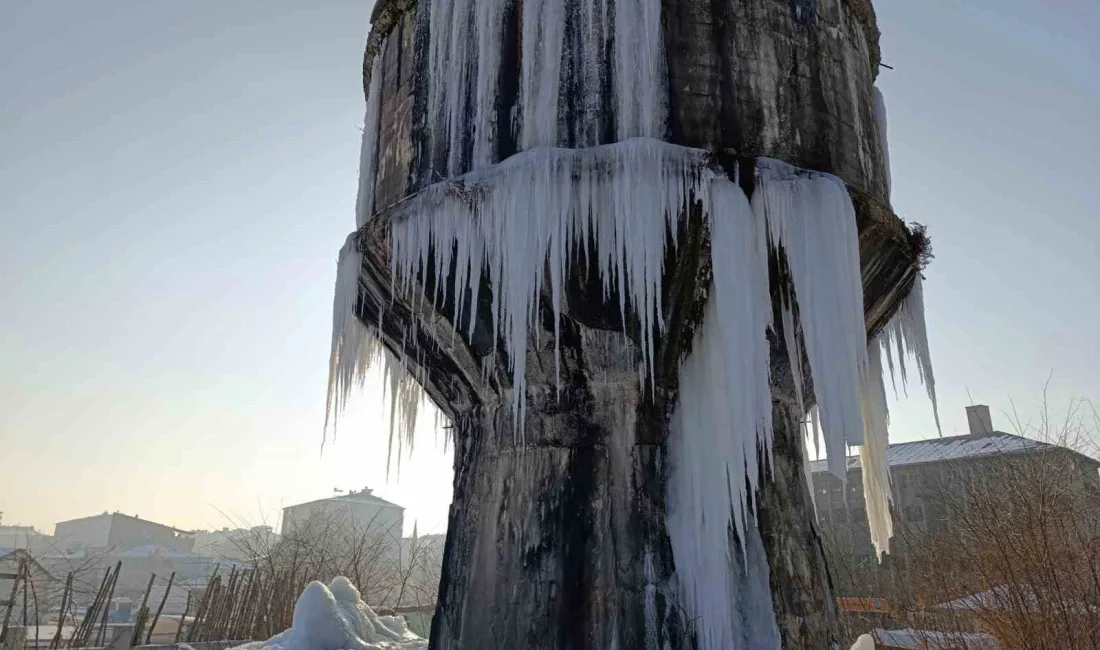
{"points": [[949, 448], [935, 640], [811, 215], [334, 617], [864, 642]]}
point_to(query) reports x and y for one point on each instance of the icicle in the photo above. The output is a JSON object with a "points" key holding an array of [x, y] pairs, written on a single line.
{"points": [[794, 357], [908, 331], [873, 458], [883, 141], [811, 215], [490, 23], [807, 471], [352, 347], [364, 202], [543, 40], [719, 429], [639, 62], [355, 350], [510, 218]]}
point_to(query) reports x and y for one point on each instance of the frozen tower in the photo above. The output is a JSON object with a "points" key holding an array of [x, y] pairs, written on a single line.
{"points": [[627, 247]]}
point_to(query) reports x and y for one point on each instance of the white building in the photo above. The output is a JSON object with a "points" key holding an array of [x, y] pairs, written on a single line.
{"points": [[362, 510]]}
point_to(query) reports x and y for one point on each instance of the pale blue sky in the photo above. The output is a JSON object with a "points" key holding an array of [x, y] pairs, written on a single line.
{"points": [[176, 177]]}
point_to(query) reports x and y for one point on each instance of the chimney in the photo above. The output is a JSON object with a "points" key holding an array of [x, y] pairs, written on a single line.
{"points": [[978, 418]]}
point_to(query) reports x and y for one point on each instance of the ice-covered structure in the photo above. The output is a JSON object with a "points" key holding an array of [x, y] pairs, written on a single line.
{"points": [[334, 617], [625, 251]]}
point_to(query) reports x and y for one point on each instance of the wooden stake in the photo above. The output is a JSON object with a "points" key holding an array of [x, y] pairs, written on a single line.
{"points": [[107, 605], [142, 613], [160, 608]]}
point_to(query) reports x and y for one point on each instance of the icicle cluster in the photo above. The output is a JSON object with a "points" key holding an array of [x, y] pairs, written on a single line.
{"points": [[509, 219], [883, 142], [907, 333], [873, 459], [520, 222], [811, 216], [621, 40], [356, 349], [368, 155], [720, 429]]}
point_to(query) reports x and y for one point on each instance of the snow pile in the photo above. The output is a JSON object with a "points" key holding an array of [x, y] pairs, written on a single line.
{"points": [[864, 642], [334, 617]]}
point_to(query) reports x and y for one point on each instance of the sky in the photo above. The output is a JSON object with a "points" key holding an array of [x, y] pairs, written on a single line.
{"points": [[176, 178]]}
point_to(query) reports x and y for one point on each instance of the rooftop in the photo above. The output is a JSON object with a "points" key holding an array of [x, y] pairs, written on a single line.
{"points": [[363, 496], [950, 448], [112, 515]]}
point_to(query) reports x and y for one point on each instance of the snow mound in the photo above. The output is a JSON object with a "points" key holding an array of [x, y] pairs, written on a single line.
{"points": [[334, 617], [864, 642]]}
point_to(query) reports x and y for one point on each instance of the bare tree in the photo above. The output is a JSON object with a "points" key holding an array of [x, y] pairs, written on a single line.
{"points": [[1010, 545]]}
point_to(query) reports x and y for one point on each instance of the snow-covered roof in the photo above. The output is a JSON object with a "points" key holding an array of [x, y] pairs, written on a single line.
{"points": [[951, 448], [1003, 598], [933, 640]]}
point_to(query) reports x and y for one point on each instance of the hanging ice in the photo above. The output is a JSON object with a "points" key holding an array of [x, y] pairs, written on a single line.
{"points": [[356, 349], [907, 332], [508, 219], [711, 528], [811, 215], [874, 463], [720, 430], [639, 63], [364, 202], [884, 143]]}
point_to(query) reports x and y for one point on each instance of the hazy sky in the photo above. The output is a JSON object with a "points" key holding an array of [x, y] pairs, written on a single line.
{"points": [[176, 177]]}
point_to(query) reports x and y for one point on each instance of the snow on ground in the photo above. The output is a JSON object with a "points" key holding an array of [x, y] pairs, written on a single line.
{"points": [[334, 617]]}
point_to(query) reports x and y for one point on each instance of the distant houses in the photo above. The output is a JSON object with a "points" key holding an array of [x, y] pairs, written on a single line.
{"points": [[922, 471]]}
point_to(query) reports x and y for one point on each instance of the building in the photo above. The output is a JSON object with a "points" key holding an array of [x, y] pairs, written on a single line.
{"points": [[360, 510], [918, 472], [22, 537], [116, 531]]}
